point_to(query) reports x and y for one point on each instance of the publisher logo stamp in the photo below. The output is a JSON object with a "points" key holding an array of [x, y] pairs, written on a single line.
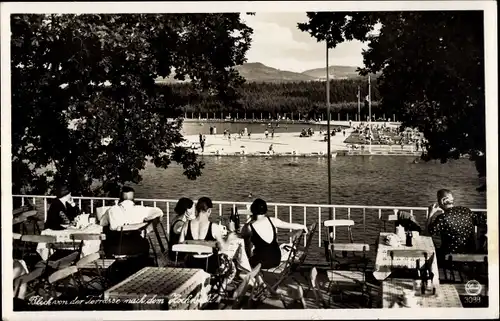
{"points": [[473, 287]]}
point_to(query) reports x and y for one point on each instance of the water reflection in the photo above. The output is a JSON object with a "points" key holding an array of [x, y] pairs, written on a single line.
{"points": [[374, 180]]}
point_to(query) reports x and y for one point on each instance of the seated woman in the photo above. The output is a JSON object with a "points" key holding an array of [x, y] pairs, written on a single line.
{"points": [[260, 233], [200, 228], [185, 212], [62, 210]]}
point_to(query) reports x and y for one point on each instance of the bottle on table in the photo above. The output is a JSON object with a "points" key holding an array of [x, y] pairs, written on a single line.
{"points": [[237, 220], [409, 238]]}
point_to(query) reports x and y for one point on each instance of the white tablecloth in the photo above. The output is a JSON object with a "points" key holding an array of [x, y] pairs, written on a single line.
{"points": [[64, 236], [383, 262]]}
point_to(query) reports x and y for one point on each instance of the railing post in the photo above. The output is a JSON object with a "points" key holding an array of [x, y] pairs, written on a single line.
{"points": [[91, 206], [142, 203], [290, 219], [364, 220], [103, 203], [44, 209], [22, 201], [320, 227], [220, 212], [168, 216], [80, 203], [305, 223], [276, 215]]}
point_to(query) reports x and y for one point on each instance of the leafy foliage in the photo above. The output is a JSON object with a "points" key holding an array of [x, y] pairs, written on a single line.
{"points": [[85, 107], [433, 71], [306, 98]]}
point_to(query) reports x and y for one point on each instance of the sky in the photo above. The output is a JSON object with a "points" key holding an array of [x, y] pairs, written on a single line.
{"points": [[278, 43]]}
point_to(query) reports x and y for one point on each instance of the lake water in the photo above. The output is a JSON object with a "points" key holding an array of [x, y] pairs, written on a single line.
{"points": [[356, 180], [361, 180]]}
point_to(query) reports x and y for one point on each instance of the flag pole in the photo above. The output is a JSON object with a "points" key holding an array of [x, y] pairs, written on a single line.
{"points": [[328, 131], [370, 110]]}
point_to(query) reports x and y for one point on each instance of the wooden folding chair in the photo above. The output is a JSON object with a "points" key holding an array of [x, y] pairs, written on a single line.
{"points": [[302, 252], [341, 275], [468, 267], [102, 263], [242, 289], [64, 277], [92, 267], [32, 280], [282, 272], [123, 230], [19, 224]]}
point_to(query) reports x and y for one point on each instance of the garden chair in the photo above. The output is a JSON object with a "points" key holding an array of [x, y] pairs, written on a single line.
{"points": [[467, 266], [341, 276], [240, 292], [95, 264], [33, 282], [90, 266], [64, 283], [282, 272]]}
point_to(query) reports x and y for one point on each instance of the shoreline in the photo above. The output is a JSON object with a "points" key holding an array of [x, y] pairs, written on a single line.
{"points": [[288, 145]]}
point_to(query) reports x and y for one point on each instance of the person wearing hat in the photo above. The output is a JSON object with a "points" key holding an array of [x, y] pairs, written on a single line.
{"points": [[63, 209], [185, 213]]}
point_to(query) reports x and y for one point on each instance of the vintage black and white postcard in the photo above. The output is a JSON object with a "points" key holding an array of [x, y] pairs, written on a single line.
{"points": [[249, 160]]}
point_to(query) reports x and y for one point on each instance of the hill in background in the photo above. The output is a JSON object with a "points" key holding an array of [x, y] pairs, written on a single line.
{"points": [[258, 72]]}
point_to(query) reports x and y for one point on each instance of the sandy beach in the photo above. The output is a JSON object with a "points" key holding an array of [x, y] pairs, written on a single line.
{"points": [[287, 144]]}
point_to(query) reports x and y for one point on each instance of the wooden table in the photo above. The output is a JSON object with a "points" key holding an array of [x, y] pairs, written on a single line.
{"points": [[163, 288], [384, 264], [63, 237], [446, 295]]}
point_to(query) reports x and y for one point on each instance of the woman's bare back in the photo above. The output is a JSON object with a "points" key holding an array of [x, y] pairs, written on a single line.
{"points": [[265, 230], [199, 229]]}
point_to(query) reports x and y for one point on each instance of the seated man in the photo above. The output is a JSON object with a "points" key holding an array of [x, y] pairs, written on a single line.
{"points": [[62, 210], [126, 213], [455, 225]]}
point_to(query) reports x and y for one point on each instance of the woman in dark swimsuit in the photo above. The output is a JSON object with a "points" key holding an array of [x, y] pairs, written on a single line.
{"points": [[200, 228], [260, 234]]}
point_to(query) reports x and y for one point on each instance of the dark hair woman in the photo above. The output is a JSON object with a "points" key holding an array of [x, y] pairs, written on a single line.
{"points": [[201, 229], [260, 234], [185, 213]]}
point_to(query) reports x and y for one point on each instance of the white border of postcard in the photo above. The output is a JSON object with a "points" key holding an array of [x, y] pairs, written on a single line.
{"points": [[491, 66]]}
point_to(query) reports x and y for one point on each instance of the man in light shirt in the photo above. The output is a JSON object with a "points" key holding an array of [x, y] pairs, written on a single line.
{"points": [[122, 214]]}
